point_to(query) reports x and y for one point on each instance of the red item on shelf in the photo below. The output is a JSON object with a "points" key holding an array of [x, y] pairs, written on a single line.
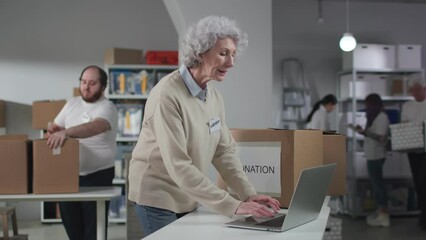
{"points": [[161, 57]]}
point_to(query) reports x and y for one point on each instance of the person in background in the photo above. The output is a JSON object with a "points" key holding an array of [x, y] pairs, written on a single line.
{"points": [[376, 135], [415, 111], [184, 131], [317, 118], [92, 119]]}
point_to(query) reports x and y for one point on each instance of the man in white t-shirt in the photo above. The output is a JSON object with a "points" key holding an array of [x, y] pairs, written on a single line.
{"points": [[92, 119], [415, 111]]}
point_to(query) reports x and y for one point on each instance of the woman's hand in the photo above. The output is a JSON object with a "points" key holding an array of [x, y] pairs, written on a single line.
{"points": [[359, 129], [259, 206]]}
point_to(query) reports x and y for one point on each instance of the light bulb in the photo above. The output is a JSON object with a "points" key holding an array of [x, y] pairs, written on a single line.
{"points": [[347, 42]]}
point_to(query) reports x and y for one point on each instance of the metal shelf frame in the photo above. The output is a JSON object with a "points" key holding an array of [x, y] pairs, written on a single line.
{"points": [[352, 143]]}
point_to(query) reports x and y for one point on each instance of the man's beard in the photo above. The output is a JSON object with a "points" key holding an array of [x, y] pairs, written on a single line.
{"points": [[92, 99]]}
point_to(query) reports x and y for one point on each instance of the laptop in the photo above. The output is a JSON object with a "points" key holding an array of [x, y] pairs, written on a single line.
{"points": [[305, 204]]}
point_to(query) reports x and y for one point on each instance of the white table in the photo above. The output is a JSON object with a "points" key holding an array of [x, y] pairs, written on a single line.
{"points": [[207, 225], [98, 194]]}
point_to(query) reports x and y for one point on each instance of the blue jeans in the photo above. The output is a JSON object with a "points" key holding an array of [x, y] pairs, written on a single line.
{"points": [[152, 218], [375, 172]]}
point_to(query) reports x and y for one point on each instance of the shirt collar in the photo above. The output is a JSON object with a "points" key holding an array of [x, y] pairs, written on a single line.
{"points": [[194, 89]]}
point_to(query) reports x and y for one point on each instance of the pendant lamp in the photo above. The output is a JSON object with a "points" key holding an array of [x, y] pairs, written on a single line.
{"points": [[347, 42]]}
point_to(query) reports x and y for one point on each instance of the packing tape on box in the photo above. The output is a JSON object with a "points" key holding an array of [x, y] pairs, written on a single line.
{"points": [[56, 151]]}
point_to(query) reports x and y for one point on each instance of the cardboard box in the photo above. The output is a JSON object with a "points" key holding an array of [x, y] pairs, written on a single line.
{"points": [[2, 114], [370, 56], [123, 56], [334, 150], [15, 162], [275, 158], [409, 56], [162, 57], [45, 112], [76, 92], [55, 172], [398, 87]]}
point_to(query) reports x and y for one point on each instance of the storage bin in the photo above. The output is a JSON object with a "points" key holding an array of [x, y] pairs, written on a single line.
{"points": [[162, 57], [409, 56], [364, 85], [370, 56], [129, 119]]}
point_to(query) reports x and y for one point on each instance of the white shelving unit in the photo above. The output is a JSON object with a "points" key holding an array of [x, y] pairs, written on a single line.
{"points": [[121, 94], [396, 169]]}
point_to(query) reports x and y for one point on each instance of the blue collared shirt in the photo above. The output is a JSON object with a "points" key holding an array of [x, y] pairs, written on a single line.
{"points": [[192, 86]]}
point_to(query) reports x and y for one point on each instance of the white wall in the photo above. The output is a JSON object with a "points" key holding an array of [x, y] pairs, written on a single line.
{"points": [[247, 89], [46, 43]]}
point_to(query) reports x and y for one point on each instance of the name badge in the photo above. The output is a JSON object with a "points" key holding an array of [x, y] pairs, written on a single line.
{"points": [[214, 125], [86, 117]]}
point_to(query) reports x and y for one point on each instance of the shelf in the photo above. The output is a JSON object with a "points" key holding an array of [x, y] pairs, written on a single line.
{"points": [[140, 66], [367, 179], [110, 220], [117, 220], [381, 71], [127, 96], [119, 181], [294, 120], [126, 139], [51, 220], [384, 98]]}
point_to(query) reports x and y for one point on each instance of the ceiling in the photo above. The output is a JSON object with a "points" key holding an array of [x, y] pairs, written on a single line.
{"points": [[389, 1]]}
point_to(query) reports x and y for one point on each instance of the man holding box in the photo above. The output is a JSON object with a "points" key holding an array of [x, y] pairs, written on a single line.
{"points": [[415, 111], [92, 119]]}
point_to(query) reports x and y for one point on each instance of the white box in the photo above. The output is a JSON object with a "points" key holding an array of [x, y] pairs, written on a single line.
{"points": [[409, 56], [364, 85], [370, 56], [408, 136]]}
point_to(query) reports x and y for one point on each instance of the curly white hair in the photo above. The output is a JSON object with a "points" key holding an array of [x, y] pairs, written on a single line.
{"points": [[201, 36]]}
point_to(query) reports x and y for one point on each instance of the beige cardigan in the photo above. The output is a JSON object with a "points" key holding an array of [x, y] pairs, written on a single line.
{"points": [[170, 161]]}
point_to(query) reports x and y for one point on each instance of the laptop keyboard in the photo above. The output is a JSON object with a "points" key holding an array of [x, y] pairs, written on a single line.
{"points": [[275, 222]]}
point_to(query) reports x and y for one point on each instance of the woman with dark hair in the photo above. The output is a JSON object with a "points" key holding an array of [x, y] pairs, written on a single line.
{"points": [[375, 132], [317, 118]]}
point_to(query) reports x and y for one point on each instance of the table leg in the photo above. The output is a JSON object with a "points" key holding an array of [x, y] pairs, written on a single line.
{"points": [[100, 219]]}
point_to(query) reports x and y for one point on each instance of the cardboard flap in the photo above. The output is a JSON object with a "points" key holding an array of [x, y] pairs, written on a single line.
{"points": [[20, 137]]}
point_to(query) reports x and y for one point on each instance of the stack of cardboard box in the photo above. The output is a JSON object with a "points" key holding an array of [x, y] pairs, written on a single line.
{"points": [[30, 166], [294, 150]]}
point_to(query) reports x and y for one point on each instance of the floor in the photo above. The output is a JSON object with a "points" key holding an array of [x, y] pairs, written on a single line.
{"points": [[402, 228]]}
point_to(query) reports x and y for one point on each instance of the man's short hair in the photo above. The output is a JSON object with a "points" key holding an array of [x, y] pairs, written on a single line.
{"points": [[103, 77]]}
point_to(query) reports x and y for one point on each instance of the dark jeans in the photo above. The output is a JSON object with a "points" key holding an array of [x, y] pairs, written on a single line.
{"points": [[153, 219], [418, 171], [79, 218], [375, 172]]}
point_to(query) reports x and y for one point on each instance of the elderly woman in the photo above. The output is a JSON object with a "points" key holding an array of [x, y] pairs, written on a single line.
{"points": [[184, 130]]}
